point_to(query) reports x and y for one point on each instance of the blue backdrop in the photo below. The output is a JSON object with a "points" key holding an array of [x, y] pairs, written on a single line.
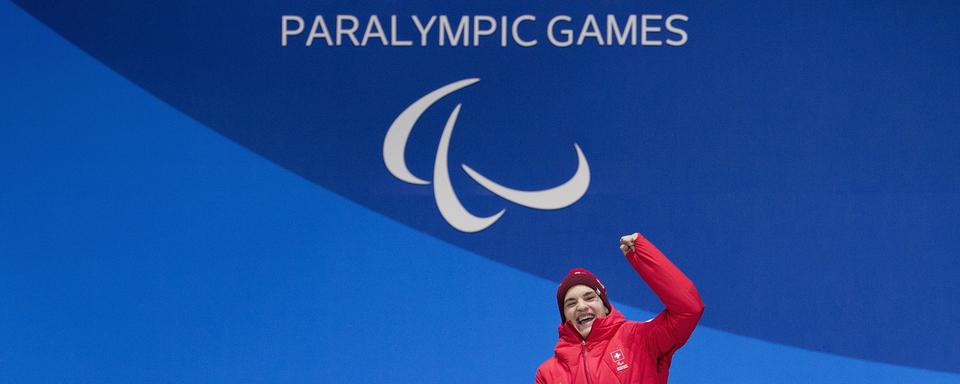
{"points": [[185, 199]]}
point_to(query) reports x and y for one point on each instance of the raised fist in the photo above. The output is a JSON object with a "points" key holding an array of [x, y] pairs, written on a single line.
{"points": [[626, 243]]}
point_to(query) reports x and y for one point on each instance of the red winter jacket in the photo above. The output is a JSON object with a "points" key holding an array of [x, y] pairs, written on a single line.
{"points": [[622, 351]]}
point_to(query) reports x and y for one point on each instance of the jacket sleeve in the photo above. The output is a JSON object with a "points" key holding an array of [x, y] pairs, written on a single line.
{"points": [[672, 327]]}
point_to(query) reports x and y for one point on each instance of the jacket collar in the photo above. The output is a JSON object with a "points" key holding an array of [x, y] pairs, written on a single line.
{"points": [[568, 347]]}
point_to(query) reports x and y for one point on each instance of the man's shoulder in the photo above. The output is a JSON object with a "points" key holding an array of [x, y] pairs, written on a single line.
{"points": [[634, 331], [548, 370], [635, 325], [548, 364]]}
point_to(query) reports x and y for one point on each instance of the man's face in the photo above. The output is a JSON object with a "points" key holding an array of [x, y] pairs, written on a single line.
{"points": [[582, 306]]}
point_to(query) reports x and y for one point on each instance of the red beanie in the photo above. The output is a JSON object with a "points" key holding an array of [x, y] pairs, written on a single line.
{"points": [[578, 276]]}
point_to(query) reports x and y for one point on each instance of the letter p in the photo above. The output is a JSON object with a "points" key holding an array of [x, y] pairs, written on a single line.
{"points": [[285, 31]]}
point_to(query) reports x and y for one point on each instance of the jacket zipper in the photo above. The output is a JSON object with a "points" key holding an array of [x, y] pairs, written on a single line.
{"points": [[583, 351]]}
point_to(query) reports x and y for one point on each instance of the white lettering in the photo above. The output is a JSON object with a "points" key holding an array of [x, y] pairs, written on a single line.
{"points": [[614, 32], [590, 29], [468, 30], [374, 23], [516, 31], [423, 30], [477, 32], [284, 31], [644, 29], [462, 30], [351, 32], [671, 28], [319, 30], [393, 34], [503, 31], [568, 33]]}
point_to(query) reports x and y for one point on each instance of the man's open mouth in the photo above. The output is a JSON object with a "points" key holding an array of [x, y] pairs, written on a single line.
{"points": [[585, 319]]}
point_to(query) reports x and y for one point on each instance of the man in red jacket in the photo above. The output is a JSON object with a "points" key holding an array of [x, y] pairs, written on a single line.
{"points": [[598, 345]]}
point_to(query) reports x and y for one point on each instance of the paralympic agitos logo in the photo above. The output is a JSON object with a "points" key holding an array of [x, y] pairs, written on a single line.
{"points": [[449, 205]]}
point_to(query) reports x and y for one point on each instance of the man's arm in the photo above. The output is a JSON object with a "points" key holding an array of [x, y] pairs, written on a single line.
{"points": [[672, 327]]}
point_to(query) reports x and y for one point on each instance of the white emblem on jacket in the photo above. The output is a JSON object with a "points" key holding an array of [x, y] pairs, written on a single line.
{"points": [[619, 358]]}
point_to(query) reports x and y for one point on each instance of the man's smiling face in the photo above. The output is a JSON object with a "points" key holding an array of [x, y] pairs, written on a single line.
{"points": [[582, 305]]}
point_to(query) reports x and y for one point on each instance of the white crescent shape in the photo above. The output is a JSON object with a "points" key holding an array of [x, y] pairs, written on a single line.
{"points": [[554, 198], [447, 201], [396, 140]]}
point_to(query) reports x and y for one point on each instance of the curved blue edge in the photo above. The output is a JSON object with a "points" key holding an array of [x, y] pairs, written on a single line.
{"points": [[139, 246]]}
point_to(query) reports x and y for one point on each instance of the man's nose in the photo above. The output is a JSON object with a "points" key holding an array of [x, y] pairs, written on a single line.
{"points": [[581, 305]]}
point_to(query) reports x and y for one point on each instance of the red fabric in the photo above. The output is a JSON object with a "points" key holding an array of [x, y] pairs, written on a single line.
{"points": [[621, 351]]}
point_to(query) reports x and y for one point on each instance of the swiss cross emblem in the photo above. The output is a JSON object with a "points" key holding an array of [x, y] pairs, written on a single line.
{"points": [[617, 356], [620, 359]]}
